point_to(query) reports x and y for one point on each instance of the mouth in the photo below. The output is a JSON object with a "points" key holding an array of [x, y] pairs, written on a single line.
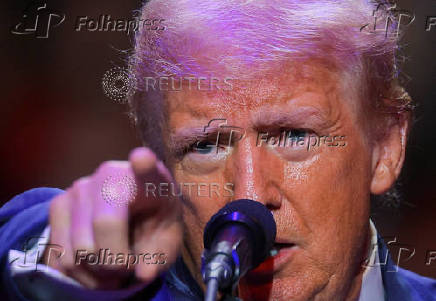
{"points": [[278, 247], [280, 256]]}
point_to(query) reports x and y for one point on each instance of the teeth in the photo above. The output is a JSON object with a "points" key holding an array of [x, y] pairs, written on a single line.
{"points": [[273, 252]]}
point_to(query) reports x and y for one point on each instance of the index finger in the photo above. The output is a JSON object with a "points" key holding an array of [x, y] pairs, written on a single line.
{"points": [[148, 170]]}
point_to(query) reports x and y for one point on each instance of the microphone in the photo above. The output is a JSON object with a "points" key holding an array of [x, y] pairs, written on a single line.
{"points": [[236, 239]]}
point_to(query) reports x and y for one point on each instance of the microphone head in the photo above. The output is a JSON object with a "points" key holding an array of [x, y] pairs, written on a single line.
{"points": [[255, 216]]}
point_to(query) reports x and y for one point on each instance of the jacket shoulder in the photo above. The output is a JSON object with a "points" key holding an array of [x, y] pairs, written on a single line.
{"points": [[423, 288], [23, 217], [401, 284], [26, 200]]}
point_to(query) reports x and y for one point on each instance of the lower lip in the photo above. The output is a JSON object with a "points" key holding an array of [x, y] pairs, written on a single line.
{"points": [[273, 264], [283, 256]]}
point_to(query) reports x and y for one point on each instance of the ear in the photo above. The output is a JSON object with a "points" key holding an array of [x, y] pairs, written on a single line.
{"points": [[388, 155]]}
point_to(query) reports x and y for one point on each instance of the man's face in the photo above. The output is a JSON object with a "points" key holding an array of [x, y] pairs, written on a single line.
{"points": [[319, 197]]}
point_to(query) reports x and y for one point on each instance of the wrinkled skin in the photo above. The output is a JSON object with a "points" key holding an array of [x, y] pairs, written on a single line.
{"points": [[319, 198]]}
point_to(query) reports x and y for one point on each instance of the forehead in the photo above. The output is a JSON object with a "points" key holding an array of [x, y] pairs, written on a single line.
{"points": [[284, 87]]}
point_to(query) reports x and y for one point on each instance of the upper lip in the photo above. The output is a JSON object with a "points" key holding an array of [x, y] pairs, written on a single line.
{"points": [[283, 241]]}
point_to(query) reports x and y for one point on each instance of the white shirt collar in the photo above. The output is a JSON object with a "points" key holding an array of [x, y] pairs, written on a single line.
{"points": [[372, 283]]}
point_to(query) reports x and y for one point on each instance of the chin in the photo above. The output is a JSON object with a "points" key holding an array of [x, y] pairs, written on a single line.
{"points": [[279, 287]]}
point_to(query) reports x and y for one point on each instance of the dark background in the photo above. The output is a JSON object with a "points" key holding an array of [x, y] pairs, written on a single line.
{"points": [[57, 125]]}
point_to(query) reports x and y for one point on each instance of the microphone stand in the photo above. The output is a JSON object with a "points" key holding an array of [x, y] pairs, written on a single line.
{"points": [[218, 271], [212, 290]]}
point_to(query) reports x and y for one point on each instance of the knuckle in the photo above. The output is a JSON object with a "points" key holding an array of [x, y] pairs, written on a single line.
{"points": [[54, 204], [79, 244], [58, 203], [107, 224], [81, 183], [68, 264]]}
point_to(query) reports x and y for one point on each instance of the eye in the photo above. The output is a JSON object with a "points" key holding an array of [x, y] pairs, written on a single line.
{"points": [[203, 147], [204, 156], [297, 133], [297, 138]]}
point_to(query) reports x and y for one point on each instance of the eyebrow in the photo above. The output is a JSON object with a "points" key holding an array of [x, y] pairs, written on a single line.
{"points": [[186, 136], [296, 117]]}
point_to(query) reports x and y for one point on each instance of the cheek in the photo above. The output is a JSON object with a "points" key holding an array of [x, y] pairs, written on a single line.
{"points": [[329, 185], [335, 179], [296, 173], [330, 197], [203, 196]]}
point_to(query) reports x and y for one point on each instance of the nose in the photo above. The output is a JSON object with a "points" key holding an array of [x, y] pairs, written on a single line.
{"points": [[250, 176]]}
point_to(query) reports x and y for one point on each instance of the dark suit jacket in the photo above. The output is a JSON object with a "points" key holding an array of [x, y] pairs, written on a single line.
{"points": [[27, 215]]}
